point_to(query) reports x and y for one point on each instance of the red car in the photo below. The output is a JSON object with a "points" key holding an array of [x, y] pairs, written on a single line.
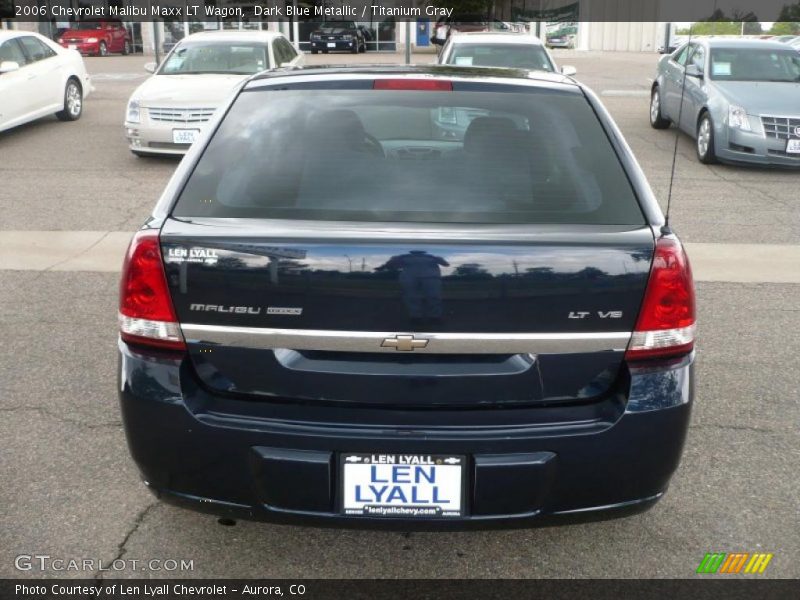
{"points": [[97, 38]]}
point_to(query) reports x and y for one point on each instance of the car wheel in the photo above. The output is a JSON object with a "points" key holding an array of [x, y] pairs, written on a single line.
{"points": [[355, 49], [126, 48], [656, 120], [103, 51], [705, 140], [73, 102]]}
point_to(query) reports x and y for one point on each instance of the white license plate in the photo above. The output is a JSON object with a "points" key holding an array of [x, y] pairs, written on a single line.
{"points": [[331, 44], [184, 136], [793, 147], [402, 485]]}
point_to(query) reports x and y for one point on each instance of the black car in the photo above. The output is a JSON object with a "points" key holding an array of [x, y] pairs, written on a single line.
{"points": [[420, 296], [338, 36]]}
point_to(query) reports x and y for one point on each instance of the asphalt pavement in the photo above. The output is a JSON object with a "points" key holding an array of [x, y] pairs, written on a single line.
{"points": [[71, 491]]}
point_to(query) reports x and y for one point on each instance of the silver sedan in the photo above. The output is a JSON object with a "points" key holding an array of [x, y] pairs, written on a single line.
{"points": [[739, 99]]}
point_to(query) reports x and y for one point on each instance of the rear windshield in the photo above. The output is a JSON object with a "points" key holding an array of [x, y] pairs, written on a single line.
{"points": [[516, 56], [411, 156]]}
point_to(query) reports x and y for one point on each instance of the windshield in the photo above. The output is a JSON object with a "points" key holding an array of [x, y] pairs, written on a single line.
{"points": [[538, 156], [752, 64], [87, 25], [198, 57], [337, 26], [516, 56]]}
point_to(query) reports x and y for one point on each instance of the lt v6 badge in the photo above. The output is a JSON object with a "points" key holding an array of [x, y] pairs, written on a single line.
{"points": [[603, 314]]}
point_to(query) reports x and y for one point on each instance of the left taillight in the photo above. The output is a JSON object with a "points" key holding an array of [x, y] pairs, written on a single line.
{"points": [[146, 315], [666, 324]]}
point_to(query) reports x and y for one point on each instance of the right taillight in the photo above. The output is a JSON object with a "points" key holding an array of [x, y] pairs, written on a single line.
{"points": [[146, 316], [666, 324]]}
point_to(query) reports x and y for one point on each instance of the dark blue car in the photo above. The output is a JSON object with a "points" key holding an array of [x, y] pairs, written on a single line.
{"points": [[421, 297]]}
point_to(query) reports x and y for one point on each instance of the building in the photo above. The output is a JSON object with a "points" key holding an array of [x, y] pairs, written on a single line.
{"points": [[597, 24]]}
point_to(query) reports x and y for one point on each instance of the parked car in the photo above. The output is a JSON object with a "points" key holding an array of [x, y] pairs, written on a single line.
{"points": [[785, 39], [739, 99], [39, 78], [561, 39], [511, 50], [333, 315], [97, 37], [335, 36], [167, 112]]}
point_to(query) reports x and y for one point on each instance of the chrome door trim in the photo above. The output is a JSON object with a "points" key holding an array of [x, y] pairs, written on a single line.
{"points": [[438, 343]]}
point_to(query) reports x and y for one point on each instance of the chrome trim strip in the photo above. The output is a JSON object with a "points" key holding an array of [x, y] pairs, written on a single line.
{"points": [[438, 343]]}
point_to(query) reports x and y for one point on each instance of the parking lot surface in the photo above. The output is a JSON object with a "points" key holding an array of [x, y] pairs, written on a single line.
{"points": [[71, 490]]}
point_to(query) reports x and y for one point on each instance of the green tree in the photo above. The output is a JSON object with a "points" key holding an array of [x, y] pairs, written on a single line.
{"points": [[785, 28]]}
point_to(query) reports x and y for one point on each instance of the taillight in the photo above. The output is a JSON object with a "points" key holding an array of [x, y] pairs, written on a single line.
{"points": [[146, 316], [666, 323], [427, 85]]}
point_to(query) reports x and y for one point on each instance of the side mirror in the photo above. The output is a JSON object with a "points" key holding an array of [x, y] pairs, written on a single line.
{"points": [[150, 67], [693, 71], [8, 66], [569, 70]]}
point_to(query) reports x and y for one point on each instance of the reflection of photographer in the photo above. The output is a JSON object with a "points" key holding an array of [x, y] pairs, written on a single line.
{"points": [[421, 280], [440, 34]]}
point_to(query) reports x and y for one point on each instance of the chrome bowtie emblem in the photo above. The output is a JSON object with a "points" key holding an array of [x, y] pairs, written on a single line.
{"points": [[404, 343]]}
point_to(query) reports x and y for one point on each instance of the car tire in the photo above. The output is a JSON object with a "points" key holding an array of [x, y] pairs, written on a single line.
{"points": [[73, 101], [126, 48], [704, 143], [656, 120], [354, 50], [102, 49]]}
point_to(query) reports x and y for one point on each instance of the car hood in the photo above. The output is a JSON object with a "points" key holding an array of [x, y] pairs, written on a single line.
{"points": [[82, 33], [198, 90], [763, 97], [335, 31]]}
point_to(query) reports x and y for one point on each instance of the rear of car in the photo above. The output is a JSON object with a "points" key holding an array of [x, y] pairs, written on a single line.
{"points": [[426, 297]]}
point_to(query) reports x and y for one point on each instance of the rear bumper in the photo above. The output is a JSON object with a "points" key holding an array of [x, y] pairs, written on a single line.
{"points": [[276, 461]]}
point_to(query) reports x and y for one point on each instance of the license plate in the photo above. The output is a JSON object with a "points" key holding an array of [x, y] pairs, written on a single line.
{"points": [[793, 147], [402, 485], [184, 136], [331, 44]]}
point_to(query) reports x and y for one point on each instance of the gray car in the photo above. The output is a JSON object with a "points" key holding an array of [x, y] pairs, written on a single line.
{"points": [[739, 99]]}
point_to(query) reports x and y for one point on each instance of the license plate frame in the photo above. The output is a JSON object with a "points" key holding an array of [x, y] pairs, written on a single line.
{"points": [[351, 470], [185, 136], [793, 146]]}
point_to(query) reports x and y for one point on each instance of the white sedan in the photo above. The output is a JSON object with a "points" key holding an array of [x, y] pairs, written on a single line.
{"points": [[167, 113], [509, 50], [39, 78]]}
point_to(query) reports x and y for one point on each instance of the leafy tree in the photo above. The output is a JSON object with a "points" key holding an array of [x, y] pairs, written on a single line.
{"points": [[785, 28]]}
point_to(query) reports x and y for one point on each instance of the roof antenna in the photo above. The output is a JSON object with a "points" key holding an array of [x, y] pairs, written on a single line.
{"points": [[666, 230]]}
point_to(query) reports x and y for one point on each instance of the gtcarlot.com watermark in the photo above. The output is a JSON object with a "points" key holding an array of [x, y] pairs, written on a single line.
{"points": [[45, 562]]}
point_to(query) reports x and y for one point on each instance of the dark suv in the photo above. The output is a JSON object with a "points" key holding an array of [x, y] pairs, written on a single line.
{"points": [[422, 296]]}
